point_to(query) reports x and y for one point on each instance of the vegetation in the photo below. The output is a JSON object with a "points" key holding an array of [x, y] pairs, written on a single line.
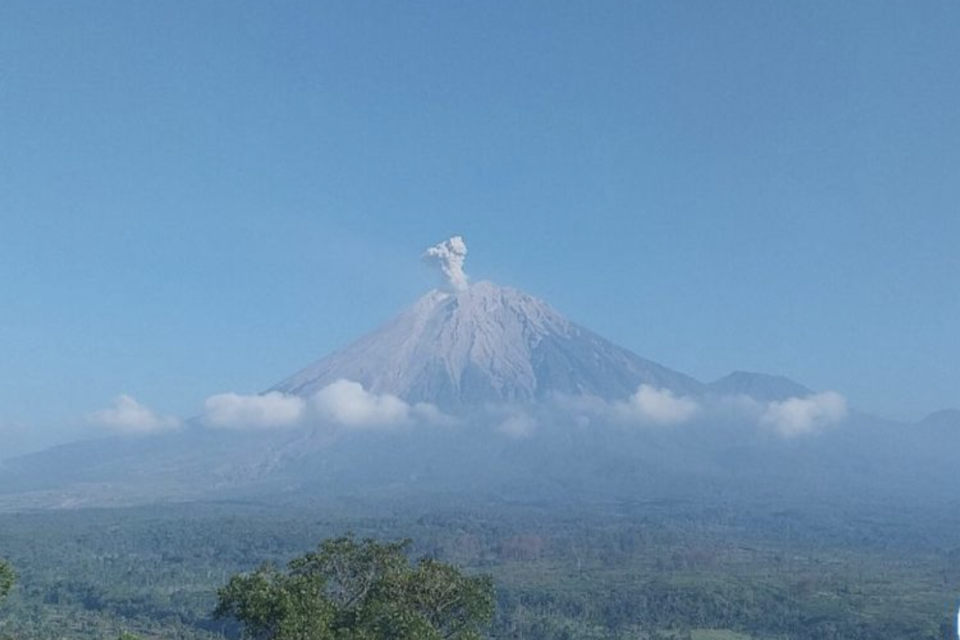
{"points": [[625, 572], [7, 579], [350, 590]]}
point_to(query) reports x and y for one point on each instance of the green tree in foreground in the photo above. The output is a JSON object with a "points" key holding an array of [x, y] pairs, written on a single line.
{"points": [[359, 590], [7, 579]]}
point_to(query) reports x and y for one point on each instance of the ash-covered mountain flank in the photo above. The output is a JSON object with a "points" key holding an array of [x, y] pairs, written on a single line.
{"points": [[486, 344]]}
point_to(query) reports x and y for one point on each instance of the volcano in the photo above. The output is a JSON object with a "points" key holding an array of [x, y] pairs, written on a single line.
{"points": [[523, 404], [486, 344]]}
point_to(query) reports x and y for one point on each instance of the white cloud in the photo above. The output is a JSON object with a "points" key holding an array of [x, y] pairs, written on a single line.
{"points": [[810, 414], [518, 426], [348, 404], [129, 416], [648, 405], [657, 406], [266, 411], [344, 404]]}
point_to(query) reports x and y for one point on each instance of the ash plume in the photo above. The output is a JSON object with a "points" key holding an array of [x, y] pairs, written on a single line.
{"points": [[449, 256]]}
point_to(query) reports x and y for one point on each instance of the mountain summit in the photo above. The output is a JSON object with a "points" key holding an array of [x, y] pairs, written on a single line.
{"points": [[484, 343]]}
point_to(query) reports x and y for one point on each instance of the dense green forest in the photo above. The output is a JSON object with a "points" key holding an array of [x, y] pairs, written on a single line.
{"points": [[624, 571]]}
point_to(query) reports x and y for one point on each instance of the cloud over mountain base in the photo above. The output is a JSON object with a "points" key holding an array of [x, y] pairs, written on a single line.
{"points": [[343, 404]]}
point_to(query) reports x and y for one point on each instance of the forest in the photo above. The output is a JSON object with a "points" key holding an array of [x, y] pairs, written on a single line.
{"points": [[648, 570]]}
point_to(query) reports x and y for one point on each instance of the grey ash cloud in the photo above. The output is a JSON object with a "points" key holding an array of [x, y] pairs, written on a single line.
{"points": [[449, 256]]}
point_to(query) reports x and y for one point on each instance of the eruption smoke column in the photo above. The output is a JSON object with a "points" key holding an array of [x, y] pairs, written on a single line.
{"points": [[450, 256]]}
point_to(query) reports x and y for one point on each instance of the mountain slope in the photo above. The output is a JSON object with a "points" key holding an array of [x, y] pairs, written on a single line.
{"points": [[486, 344]]}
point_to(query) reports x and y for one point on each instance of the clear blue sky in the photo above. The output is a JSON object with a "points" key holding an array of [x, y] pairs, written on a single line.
{"points": [[198, 197]]}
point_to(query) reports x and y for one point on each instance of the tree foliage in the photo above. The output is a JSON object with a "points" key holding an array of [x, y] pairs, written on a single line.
{"points": [[7, 579], [359, 590]]}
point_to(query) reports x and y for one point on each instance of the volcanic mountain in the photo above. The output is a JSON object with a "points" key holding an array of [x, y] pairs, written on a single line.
{"points": [[486, 344], [540, 408]]}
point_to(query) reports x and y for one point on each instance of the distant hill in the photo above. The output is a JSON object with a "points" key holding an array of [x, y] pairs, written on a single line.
{"points": [[945, 418], [759, 386]]}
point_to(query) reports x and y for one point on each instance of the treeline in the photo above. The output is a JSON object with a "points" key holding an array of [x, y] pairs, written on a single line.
{"points": [[655, 573]]}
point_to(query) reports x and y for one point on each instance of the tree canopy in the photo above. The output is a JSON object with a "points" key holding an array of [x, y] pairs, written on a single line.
{"points": [[359, 590], [7, 579]]}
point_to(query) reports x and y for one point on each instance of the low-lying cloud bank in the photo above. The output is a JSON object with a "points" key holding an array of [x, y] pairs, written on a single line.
{"points": [[347, 406], [344, 404], [653, 406], [129, 416], [265, 411]]}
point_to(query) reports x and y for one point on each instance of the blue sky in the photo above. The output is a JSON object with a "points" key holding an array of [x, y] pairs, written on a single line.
{"points": [[204, 197]]}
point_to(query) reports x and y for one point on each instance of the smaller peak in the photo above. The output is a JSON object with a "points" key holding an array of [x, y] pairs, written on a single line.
{"points": [[760, 386], [943, 418]]}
